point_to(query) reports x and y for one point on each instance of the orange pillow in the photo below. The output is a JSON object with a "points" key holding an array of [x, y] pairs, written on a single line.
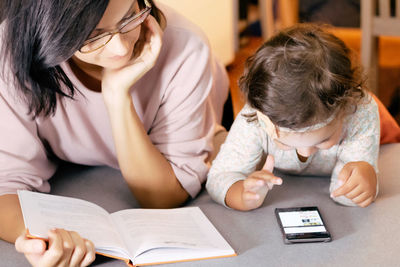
{"points": [[390, 130]]}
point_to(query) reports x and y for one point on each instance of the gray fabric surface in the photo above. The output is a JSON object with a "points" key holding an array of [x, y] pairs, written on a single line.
{"points": [[361, 237]]}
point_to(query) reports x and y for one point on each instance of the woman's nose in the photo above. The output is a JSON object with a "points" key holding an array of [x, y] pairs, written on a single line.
{"points": [[118, 45]]}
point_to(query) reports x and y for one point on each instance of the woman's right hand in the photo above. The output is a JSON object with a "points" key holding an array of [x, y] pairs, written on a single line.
{"points": [[65, 248], [146, 51]]}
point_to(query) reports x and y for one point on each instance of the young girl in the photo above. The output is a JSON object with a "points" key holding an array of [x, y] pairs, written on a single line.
{"points": [[102, 82], [308, 111]]}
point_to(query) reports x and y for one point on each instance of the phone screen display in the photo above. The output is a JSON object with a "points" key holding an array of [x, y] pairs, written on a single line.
{"points": [[303, 224]]}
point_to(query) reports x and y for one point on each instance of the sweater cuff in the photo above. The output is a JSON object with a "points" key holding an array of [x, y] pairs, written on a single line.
{"points": [[219, 190]]}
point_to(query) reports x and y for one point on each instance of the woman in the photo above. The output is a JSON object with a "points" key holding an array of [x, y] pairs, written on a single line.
{"points": [[100, 82]]}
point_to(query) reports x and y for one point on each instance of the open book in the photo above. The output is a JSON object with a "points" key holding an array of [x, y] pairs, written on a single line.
{"points": [[137, 236]]}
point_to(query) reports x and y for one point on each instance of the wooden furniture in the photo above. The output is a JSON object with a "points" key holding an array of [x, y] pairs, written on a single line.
{"points": [[378, 18], [277, 14]]}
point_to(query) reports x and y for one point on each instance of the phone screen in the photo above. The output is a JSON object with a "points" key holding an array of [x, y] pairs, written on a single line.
{"points": [[302, 224]]}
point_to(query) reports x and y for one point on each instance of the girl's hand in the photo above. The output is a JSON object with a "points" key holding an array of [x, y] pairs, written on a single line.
{"points": [[358, 183], [146, 51], [66, 248], [257, 185]]}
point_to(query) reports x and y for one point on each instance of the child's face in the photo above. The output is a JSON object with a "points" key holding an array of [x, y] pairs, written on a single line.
{"points": [[308, 143]]}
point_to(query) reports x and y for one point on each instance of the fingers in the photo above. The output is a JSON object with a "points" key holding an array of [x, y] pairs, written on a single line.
{"points": [[66, 248], [253, 184], [357, 195], [84, 252], [344, 190], [153, 36], [345, 186], [79, 250], [147, 49], [90, 253], [29, 246], [261, 179], [358, 183], [256, 187], [54, 253], [364, 196], [355, 192], [269, 163], [67, 245], [152, 24], [343, 177], [249, 196], [76, 250], [366, 202], [258, 184]]}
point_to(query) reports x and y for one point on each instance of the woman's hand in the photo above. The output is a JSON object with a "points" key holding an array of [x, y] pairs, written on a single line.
{"points": [[254, 188], [358, 183], [66, 248], [146, 51]]}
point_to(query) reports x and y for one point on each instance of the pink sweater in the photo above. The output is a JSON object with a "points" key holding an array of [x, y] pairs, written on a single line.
{"points": [[179, 102]]}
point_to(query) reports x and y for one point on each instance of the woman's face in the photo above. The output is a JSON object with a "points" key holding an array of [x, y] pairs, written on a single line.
{"points": [[119, 50]]}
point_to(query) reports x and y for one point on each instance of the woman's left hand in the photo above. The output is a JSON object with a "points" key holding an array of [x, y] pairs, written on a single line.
{"points": [[358, 183], [146, 51]]}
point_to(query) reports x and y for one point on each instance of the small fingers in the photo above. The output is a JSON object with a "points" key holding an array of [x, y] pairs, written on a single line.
{"points": [[343, 190], [357, 191], [249, 196], [363, 197], [267, 176], [366, 202], [269, 163], [276, 181], [253, 183]]}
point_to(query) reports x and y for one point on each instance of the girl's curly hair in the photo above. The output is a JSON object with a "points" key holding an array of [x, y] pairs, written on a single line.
{"points": [[302, 76]]}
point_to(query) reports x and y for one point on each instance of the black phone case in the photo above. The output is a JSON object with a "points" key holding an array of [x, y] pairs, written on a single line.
{"points": [[303, 237]]}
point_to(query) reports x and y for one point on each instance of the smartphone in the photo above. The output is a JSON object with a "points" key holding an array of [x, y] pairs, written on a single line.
{"points": [[302, 224]]}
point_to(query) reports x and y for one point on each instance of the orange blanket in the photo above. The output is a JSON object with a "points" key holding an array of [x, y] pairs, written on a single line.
{"points": [[390, 130]]}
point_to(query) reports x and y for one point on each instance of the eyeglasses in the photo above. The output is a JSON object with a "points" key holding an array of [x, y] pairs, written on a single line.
{"points": [[132, 23]]}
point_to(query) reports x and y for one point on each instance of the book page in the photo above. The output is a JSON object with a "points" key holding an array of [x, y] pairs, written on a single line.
{"points": [[187, 228], [43, 212]]}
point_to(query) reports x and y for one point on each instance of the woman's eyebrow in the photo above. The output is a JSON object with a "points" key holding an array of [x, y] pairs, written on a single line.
{"points": [[128, 13]]}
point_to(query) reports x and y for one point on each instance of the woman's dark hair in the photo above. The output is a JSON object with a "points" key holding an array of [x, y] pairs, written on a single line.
{"points": [[38, 35], [302, 76]]}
